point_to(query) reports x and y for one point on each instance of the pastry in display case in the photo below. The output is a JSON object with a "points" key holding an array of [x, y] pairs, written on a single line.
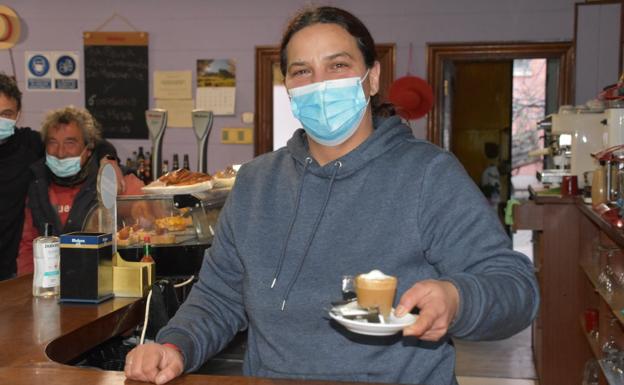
{"points": [[178, 225], [225, 177]]}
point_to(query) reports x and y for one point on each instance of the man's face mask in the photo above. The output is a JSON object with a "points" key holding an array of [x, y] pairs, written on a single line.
{"points": [[330, 111], [64, 168], [7, 128]]}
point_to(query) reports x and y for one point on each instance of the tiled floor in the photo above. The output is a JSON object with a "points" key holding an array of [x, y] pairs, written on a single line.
{"points": [[505, 362]]}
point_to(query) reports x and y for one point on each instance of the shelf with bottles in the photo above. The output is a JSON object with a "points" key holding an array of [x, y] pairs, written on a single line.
{"points": [[602, 320], [605, 337], [605, 284], [610, 228]]}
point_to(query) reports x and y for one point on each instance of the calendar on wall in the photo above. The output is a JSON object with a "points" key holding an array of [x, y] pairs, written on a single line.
{"points": [[216, 86]]}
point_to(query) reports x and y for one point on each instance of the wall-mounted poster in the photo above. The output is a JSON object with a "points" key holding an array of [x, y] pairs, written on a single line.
{"points": [[38, 71], [116, 82], [66, 71], [216, 86], [52, 71]]}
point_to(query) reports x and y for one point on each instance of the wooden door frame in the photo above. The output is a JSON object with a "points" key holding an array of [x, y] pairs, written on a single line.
{"points": [[266, 56], [438, 53]]}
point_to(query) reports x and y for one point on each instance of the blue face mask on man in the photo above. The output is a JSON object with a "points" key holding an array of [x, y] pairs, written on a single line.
{"points": [[63, 168], [7, 128], [330, 111]]}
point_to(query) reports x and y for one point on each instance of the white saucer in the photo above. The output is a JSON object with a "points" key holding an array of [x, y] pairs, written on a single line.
{"points": [[393, 326]]}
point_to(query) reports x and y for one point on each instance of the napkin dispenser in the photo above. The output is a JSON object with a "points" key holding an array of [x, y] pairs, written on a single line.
{"points": [[86, 267]]}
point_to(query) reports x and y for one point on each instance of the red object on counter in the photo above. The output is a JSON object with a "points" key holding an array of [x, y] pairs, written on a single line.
{"points": [[569, 185]]}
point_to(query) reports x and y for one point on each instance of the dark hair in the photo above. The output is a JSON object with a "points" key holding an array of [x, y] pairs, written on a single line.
{"points": [[8, 87], [351, 24], [491, 150], [330, 15]]}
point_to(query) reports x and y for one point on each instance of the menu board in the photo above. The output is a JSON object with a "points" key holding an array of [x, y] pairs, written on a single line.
{"points": [[116, 82]]}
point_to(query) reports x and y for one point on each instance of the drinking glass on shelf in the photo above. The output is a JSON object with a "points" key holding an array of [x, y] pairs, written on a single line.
{"points": [[604, 279], [590, 372], [610, 346]]}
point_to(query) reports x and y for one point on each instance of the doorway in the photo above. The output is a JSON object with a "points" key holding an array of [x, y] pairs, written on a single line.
{"points": [[480, 119], [486, 111]]}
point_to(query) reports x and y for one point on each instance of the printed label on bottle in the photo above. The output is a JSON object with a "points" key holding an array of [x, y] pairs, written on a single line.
{"points": [[51, 259]]}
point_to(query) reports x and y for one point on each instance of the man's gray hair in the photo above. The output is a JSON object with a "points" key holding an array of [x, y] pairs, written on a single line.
{"points": [[83, 119]]}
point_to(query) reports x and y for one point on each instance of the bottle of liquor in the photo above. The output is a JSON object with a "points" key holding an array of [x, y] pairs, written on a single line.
{"points": [[47, 258], [141, 170], [165, 167], [176, 163], [135, 162], [147, 250], [185, 162], [140, 155], [129, 163]]}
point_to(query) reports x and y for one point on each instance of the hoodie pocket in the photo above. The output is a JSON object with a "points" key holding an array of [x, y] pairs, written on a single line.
{"points": [[348, 377]]}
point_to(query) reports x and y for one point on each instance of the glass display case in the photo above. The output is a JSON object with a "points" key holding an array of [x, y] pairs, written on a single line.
{"points": [[178, 226]]}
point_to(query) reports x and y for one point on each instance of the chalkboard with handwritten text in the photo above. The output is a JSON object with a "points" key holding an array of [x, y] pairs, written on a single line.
{"points": [[116, 83]]}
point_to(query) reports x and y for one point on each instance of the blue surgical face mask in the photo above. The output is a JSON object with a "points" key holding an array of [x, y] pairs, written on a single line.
{"points": [[63, 168], [330, 111], [7, 128]]}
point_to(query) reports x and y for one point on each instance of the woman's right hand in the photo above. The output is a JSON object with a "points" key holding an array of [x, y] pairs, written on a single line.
{"points": [[154, 363]]}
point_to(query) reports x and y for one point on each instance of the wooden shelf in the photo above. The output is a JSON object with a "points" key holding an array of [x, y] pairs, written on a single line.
{"points": [[617, 235], [612, 378], [614, 300]]}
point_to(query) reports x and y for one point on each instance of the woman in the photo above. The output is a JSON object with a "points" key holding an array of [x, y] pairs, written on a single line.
{"points": [[351, 192]]}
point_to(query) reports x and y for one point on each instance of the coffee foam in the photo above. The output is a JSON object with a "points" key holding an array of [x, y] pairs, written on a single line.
{"points": [[376, 280], [376, 275]]}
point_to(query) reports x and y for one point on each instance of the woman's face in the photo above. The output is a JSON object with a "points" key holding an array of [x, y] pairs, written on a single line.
{"points": [[322, 52]]}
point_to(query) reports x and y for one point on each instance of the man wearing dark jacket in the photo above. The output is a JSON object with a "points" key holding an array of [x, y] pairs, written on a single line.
{"points": [[19, 148], [63, 189]]}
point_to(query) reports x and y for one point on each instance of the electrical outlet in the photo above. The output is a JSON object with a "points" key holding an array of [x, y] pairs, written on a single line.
{"points": [[237, 136]]}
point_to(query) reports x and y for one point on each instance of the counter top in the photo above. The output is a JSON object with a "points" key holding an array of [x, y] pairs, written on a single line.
{"points": [[39, 335], [65, 375], [40, 331]]}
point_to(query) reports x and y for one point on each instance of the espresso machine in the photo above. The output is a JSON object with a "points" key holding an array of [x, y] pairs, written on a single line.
{"points": [[575, 136], [614, 122]]}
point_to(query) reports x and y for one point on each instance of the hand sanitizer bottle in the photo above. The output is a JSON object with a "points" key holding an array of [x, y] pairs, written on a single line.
{"points": [[47, 258]]}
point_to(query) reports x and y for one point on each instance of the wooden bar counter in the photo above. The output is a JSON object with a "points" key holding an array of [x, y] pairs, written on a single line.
{"points": [[38, 336]]}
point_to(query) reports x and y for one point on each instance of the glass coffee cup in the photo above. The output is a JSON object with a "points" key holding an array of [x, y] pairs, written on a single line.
{"points": [[376, 290]]}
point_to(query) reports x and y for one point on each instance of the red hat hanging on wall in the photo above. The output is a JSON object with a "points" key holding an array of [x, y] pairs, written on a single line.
{"points": [[412, 96], [9, 27]]}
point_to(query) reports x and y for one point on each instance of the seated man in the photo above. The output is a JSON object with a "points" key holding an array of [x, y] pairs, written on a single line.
{"points": [[63, 189]]}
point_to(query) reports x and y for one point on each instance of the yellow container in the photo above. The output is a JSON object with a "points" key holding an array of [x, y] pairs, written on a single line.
{"points": [[132, 279]]}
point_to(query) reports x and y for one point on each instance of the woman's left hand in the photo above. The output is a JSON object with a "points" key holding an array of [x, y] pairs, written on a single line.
{"points": [[438, 302]]}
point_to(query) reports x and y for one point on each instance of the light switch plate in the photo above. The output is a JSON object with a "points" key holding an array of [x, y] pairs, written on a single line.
{"points": [[237, 136]]}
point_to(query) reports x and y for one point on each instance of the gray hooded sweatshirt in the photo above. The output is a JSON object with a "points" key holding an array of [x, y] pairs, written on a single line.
{"points": [[291, 229]]}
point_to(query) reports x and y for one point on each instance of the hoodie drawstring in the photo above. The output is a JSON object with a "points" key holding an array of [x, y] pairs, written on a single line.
{"points": [[278, 269], [337, 165]]}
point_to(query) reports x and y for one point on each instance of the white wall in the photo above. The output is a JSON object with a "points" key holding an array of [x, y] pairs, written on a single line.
{"points": [[185, 30]]}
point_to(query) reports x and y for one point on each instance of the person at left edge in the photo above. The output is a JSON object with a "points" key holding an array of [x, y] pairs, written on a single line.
{"points": [[19, 148], [63, 189]]}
